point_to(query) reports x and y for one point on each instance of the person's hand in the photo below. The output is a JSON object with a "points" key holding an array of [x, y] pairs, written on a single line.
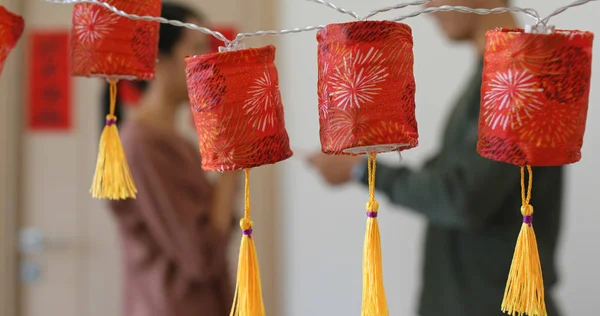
{"points": [[336, 170]]}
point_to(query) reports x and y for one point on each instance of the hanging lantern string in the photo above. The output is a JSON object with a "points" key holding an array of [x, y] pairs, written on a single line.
{"points": [[526, 191], [530, 12], [338, 9], [565, 8], [248, 299], [395, 7]]}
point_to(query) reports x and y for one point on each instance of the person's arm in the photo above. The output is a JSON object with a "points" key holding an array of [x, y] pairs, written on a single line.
{"points": [[460, 190], [179, 210]]}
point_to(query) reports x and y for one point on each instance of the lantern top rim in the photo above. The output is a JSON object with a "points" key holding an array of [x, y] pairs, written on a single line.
{"points": [[246, 55], [10, 18], [557, 32], [384, 23]]}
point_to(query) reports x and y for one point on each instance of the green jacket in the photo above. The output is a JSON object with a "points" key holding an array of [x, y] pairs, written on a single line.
{"points": [[472, 205]]}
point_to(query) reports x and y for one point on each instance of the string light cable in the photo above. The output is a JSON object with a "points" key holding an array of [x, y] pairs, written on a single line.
{"points": [[232, 44]]}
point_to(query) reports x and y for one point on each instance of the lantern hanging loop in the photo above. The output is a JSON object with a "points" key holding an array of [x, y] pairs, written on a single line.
{"points": [[232, 46]]}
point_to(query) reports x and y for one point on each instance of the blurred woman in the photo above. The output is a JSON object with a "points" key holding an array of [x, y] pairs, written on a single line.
{"points": [[175, 233]]}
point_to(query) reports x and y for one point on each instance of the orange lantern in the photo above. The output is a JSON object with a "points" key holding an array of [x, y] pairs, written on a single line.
{"points": [[534, 106], [366, 92], [109, 46], [11, 29], [237, 109]]}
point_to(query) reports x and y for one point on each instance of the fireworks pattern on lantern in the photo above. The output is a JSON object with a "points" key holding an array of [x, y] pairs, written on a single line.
{"points": [[534, 109], [105, 44], [237, 109], [366, 78]]}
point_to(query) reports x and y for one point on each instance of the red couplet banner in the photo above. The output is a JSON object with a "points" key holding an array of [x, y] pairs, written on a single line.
{"points": [[49, 88]]}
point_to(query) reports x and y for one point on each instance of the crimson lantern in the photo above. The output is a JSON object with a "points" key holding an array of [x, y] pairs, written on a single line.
{"points": [[534, 102], [110, 46]]}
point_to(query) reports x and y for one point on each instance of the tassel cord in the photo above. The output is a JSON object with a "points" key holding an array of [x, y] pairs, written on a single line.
{"points": [[112, 178], [248, 300], [374, 301], [113, 99]]}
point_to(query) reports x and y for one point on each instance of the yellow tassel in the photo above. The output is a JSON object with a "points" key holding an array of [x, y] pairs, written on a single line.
{"points": [[112, 179], [374, 302], [524, 293], [248, 300]]}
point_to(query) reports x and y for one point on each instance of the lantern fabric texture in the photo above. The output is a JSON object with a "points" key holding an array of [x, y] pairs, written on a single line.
{"points": [[535, 95], [237, 110], [11, 29], [534, 102], [366, 101], [106, 45], [366, 88]]}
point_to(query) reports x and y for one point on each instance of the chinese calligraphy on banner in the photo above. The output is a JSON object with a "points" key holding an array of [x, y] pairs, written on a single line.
{"points": [[49, 88]]}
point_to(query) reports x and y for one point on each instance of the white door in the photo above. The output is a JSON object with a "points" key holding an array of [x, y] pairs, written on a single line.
{"points": [[69, 259], [60, 249]]}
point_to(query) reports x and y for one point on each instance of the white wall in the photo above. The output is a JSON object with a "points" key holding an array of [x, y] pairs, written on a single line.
{"points": [[324, 228]]}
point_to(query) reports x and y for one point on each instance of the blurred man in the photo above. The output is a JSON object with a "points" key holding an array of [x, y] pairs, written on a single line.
{"points": [[472, 204]]}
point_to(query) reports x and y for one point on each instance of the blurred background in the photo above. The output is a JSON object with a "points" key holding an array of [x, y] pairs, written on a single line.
{"points": [[59, 252]]}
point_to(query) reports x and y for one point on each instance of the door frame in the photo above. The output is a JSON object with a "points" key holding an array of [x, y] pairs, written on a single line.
{"points": [[11, 118]]}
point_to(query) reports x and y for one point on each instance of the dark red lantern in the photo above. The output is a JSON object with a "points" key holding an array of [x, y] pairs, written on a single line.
{"points": [[534, 102], [11, 29], [366, 88], [535, 94], [366, 93], [107, 45], [237, 109]]}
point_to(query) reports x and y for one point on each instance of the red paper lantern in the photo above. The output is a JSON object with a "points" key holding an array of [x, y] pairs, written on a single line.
{"points": [[108, 45], [104, 44], [11, 29], [237, 109], [534, 96], [366, 88], [534, 101]]}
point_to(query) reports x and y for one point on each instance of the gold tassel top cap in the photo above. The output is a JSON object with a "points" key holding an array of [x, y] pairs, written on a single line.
{"points": [[246, 224], [373, 206], [527, 210]]}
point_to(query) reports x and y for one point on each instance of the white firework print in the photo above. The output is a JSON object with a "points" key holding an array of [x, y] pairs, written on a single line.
{"points": [[261, 105], [92, 25], [511, 95], [322, 92], [356, 81]]}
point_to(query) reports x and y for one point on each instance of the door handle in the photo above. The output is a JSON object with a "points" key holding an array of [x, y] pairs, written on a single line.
{"points": [[33, 241]]}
